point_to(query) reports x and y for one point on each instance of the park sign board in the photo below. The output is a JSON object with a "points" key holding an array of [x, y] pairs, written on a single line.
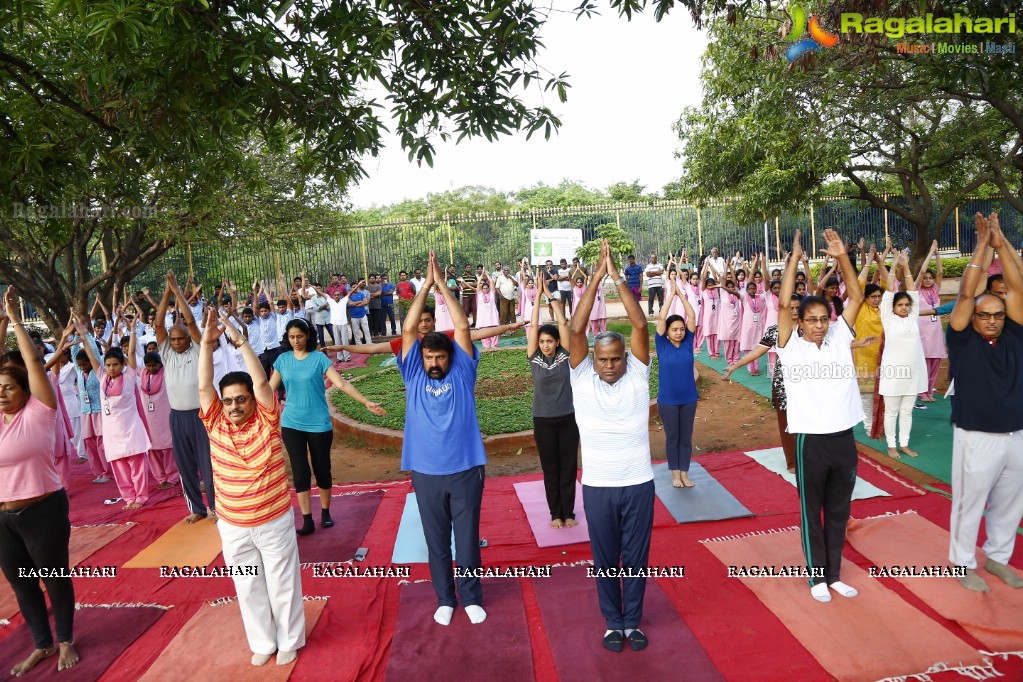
{"points": [[553, 245]]}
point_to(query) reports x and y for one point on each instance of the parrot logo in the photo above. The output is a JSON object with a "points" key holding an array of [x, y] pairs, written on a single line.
{"points": [[818, 36]]}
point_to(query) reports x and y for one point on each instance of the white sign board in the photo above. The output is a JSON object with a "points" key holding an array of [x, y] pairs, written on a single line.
{"points": [[545, 245]]}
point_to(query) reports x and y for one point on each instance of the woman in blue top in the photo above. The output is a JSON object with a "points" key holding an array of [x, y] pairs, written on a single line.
{"points": [[305, 423], [676, 395]]}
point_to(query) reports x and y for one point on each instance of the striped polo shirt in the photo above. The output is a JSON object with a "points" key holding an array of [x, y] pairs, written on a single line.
{"points": [[613, 422], [248, 466]]}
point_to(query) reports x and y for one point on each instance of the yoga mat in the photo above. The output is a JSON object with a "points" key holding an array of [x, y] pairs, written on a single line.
{"points": [[85, 541], [213, 644], [575, 630], [773, 459], [875, 635], [533, 497], [932, 433], [496, 649], [708, 501], [102, 634], [352, 514], [184, 544], [995, 618], [410, 543]]}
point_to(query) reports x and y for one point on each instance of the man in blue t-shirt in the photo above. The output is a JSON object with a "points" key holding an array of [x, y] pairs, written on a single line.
{"points": [[443, 448], [387, 303], [634, 277], [985, 355], [358, 302]]}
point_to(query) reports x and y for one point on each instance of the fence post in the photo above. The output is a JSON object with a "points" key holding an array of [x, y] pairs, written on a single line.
{"points": [[699, 232], [365, 265], [813, 232], [777, 239], [957, 230], [886, 237], [451, 243], [191, 274]]}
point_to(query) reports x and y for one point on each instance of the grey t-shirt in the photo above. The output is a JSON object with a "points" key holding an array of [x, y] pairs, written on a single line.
{"points": [[374, 303], [552, 384], [181, 373]]}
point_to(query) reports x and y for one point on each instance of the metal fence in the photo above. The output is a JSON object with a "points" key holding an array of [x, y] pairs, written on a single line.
{"points": [[657, 227]]}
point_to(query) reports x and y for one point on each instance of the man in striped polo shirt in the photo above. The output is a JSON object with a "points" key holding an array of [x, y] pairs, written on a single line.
{"points": [[253, 503], [612, 408]]}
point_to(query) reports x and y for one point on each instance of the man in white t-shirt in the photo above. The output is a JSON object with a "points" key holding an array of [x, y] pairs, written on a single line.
{"points": [[717, 264], [612, 408], [565, 285], [339, 323], [654, 272], [823, 407]]}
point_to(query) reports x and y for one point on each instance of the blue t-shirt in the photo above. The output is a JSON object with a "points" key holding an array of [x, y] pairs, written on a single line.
{"points": [[442, 433], [306, 407], [387, 294], [634, 275], [675, 370], [356, 297]]}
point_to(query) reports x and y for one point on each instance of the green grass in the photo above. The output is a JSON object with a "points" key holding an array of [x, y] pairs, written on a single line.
{"points": [[504, 394]]}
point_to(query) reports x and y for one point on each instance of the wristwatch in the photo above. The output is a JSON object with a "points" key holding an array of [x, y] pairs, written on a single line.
{"points": [[620, 281]]}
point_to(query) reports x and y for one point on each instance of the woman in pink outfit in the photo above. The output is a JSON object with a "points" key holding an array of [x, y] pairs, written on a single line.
{"points": [[598, 314], [156, 411], [695, 298], [578, 289], [441, 316], [674, 282], [122, 414], [771, 301], [486, 310], [711, 312], [932, 335], [753, 319], [527, 297], [729, 320]]}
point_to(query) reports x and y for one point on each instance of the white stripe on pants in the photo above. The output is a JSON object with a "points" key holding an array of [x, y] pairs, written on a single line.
{"points": [[271, 602], [987, 468], [898, 407], [360, 330]]}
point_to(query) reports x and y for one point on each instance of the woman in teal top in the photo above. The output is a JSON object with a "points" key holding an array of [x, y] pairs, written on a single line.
{"points": [[306, 429]]}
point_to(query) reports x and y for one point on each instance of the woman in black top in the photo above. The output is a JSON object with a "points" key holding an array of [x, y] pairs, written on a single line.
{"points": [[554, 427]]}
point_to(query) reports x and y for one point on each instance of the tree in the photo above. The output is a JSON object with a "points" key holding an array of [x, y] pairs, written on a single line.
{"points": [[772, 136], [618, 239]]}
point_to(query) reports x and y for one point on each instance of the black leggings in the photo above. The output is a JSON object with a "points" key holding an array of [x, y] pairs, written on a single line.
{"points": [[557, 441], [36, 537], [297, 443]]}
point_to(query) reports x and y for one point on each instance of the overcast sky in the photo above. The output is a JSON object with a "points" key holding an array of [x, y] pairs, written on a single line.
{"points": [[630, 81]]}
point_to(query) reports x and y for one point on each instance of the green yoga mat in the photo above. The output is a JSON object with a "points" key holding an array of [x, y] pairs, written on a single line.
{"points": [[932, 432]]}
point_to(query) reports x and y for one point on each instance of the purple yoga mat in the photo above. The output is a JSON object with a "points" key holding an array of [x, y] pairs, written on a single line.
{"points": [[101, 636], [575, 630], [496, 649], [352, 514], [534, 500]]}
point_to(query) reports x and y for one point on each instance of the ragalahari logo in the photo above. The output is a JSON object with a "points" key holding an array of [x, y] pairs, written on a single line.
{"points": [[818, 36]]}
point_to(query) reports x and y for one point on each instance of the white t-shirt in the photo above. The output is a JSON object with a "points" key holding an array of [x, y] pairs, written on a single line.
{"points": [[338, 310], [613, 422], [564, 285], [654, 280], [820, 383], [418, 282]]}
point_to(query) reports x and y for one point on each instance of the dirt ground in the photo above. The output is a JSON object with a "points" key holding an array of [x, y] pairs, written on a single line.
{"points": [[729, 417]]}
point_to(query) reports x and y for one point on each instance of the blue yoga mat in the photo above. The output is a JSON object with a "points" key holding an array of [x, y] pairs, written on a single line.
{"points": [[708, 501], [410, 544]]}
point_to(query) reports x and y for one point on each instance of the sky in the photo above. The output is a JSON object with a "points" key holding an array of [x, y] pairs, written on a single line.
{"points": [[630, 81]]}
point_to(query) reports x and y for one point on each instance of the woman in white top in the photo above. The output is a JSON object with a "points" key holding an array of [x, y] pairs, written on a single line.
{"points": [[903, 370]]}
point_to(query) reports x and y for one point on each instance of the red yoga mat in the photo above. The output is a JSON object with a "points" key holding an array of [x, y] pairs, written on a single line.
{"points": [[496, 649], [352, 513], [102, 634], [575, 629]]}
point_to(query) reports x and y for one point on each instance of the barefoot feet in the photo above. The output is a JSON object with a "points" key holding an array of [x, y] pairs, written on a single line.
{"points": [[906, 451], [32, 661], [192, 518], [894, 454], [676, 479], [571, 523]]}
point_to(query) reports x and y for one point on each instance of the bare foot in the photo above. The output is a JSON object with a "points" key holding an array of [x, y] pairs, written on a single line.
{"points": [[68, 656], [686, 483], [792, 470], [676, 479], [571, 523], [907, 451], [192, 518], [34, 659], [166, 485], [556, 523], [894, 454], [134, 505], [82, 460]]}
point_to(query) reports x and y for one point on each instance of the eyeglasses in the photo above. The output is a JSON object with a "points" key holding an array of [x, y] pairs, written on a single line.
{"points": [[240, 400], [990, 316], [814, 321]]}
